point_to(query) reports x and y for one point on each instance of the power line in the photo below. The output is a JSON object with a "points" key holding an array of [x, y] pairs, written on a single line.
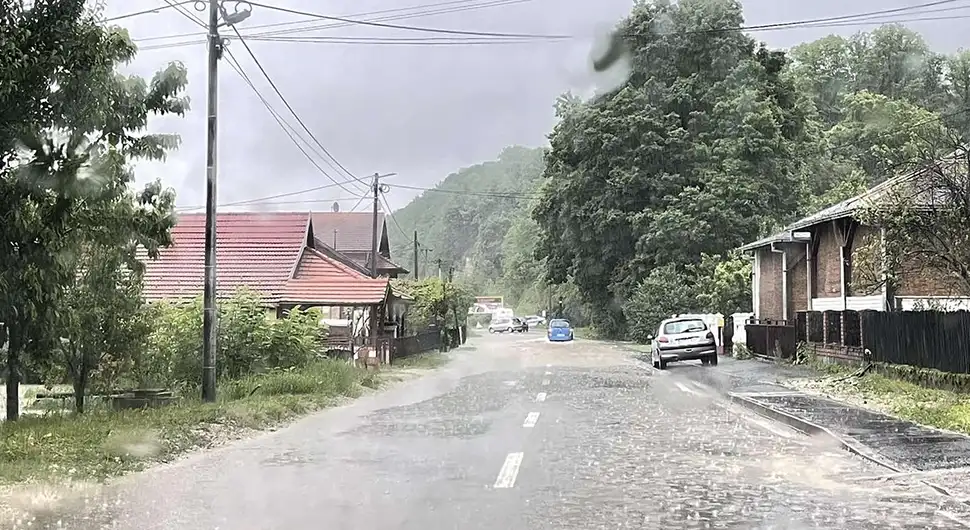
{"points": [[147, 11], [358, 202], [295, 115], [393, 220], [287, 129], [414, 42], [434, 41], [497, 195], [255, 202], [782, 25], [426, 10], [186, 13], [410, 28]]}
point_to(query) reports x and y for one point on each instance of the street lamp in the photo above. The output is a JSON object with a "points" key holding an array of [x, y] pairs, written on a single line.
{"points": [[217, 9]]}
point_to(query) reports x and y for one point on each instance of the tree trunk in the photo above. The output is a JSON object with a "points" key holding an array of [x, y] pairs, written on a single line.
{"points": [[13, 372], [80, 385]]}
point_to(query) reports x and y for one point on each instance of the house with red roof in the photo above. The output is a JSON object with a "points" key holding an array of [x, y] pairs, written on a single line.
{"points": [[351, 233], [278, 256]]}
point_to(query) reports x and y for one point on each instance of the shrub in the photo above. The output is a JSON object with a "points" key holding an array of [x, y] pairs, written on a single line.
{"points": [[251, 341]]}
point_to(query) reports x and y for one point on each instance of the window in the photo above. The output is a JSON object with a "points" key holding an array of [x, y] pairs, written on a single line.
{"points": [[684, 326], [559, 323]]}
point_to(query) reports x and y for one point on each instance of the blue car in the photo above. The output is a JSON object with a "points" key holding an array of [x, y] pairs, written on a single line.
{"points": [[559, 330]]}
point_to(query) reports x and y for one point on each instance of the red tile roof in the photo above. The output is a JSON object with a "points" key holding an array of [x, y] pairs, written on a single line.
{"points": [[253, 250], [261, 251], [322, 279], [354, 229]]}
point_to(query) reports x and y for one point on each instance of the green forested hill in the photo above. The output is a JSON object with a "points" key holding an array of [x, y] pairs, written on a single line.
{"points": [[477, 219]]}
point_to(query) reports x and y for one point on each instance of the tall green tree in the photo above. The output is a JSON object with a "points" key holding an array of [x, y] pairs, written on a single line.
{"points": [[693, 155], [70, 124]]}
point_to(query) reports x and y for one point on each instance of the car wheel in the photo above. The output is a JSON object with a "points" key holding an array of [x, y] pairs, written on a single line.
{"points": [[511, 330], [713, 360], [662, 363], [491, 330]]}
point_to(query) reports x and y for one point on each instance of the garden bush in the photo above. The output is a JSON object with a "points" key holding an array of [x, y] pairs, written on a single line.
{"points": [[251, 341]]}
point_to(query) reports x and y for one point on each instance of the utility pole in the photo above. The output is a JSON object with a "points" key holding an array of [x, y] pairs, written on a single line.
{"points": [[374, 317], [438, 261], [416, 248], [376, 189], [210, 315]]}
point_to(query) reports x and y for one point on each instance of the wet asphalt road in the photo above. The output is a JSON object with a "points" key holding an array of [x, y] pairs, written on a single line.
{"points": [[517, 433]]}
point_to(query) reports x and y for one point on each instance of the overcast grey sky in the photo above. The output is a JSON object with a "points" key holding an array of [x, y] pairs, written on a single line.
{"points": [[421, 111]]}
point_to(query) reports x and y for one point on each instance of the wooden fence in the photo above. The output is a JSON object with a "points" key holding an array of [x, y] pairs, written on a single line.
{"points": [[926, 339], [423, 341], [771, 338]]}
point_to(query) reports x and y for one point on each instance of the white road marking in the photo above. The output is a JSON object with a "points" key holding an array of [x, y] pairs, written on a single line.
{"points": [[510, 470], [548, 373], [549, 365], [510, 383], [540, 397], [545, 382], [685, 388], [531, 420]]}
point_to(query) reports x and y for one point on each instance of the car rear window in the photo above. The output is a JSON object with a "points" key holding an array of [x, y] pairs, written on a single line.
{"points": [[684, 326], [559, 324]]}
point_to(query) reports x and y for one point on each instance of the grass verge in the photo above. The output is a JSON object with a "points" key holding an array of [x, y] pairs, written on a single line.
{"points": [[103, 443], [940, 408], [421, 360]]}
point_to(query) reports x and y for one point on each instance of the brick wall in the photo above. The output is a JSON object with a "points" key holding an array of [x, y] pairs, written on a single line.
{"points": [[864, 235], [798, 288], [769, 284], [828, 284], [834, 353], [917, 279]]}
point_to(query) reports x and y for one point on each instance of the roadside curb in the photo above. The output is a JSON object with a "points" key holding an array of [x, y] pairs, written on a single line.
{"points": [[811, 429]]}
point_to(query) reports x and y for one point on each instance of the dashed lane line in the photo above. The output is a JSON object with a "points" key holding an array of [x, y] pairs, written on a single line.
{"points": [[509, 471], [545, 382], [531, 420], [540, 397], [548, 373]]}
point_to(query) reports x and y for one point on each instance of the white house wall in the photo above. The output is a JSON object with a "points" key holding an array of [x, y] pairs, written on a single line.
{"points": [[852, 303]]}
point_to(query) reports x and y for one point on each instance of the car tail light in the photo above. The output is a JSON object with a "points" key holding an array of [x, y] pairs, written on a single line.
{"points": [[663, 339], [710, 336]]}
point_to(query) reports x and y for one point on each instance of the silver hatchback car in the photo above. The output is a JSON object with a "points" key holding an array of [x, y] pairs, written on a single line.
{"points": [[683, 339]]}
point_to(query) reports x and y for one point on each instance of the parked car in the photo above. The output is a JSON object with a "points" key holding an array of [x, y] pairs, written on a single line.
{"points": [[683, 339], [559, 330], [510, 325], [534, 320]]}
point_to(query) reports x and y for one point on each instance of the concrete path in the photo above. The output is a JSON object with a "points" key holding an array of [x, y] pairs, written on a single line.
{"points": [[523, 434]]}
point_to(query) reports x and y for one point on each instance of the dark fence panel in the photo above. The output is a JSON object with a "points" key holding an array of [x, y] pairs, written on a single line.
{"points": [[801, 325], [851, 332], [424, 341], [833, 327], [816, 326], [727, 336], [927, 339], [770, 340]]}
